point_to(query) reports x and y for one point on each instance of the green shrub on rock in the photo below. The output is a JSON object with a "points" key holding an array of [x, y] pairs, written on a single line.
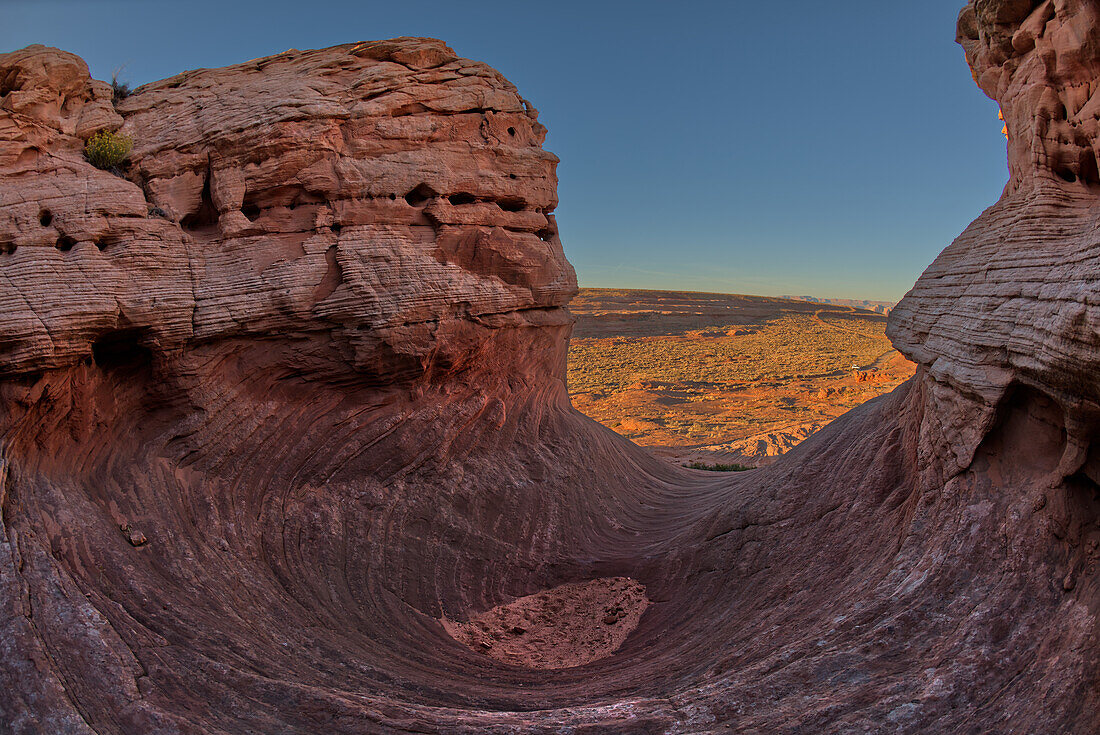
{"points": [[106, 150]]}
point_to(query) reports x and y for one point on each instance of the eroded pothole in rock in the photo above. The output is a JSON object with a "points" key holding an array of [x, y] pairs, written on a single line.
{"points": [[569, 625]]}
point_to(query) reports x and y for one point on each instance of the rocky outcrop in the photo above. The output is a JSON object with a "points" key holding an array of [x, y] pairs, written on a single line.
{"points": [[1013, 305], [248, 193], [285, 404]]}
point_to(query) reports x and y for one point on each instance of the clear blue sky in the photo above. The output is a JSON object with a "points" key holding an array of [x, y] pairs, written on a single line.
{"points": [[807, 147]]}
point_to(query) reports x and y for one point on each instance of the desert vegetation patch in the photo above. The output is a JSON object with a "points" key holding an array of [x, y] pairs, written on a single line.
{"points": [[723, 378]]}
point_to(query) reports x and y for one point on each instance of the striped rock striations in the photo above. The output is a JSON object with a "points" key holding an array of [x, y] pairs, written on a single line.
{"points": [[1010, 312], [284, 403]]}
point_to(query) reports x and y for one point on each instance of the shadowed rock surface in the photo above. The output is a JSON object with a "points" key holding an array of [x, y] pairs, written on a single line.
{"points": [[293, 391]]}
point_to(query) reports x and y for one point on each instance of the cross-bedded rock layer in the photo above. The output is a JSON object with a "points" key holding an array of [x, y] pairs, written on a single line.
{"points": [[292, 391]]}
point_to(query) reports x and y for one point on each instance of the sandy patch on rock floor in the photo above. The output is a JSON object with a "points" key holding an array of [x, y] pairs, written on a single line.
{"points": [[569, 625]]}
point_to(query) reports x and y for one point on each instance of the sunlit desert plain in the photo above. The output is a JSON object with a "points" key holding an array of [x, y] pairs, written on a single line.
{"points": [[723, 378]]}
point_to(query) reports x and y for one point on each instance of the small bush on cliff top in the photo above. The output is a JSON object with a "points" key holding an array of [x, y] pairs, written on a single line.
{"points": [[106, 150], [120, 90]]}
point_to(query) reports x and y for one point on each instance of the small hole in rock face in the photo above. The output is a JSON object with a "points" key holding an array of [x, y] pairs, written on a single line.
{"points": [[512, 204], [45, 218], [206, 216], [251, 211], [1090, 173], [421, 194], [1064, 113], [512, 131], [65, 243], [545, 235], [7, 248], [511, 176], [393, 197], [101, 244], [1066, 174], [121, 349], [336, 228], [461, 198]]}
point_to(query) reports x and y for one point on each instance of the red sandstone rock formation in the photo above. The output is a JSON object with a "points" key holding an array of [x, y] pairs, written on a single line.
{"points": [[292, 392]]}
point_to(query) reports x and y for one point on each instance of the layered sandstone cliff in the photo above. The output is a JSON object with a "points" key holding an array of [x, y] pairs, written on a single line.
{"points": [[1013, 305], [286, 403]]}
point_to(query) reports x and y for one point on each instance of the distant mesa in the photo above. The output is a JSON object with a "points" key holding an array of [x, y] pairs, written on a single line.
{"points": [[879, 307]]}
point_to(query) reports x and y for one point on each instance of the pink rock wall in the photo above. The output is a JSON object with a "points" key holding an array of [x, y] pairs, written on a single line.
{"points": [[252, 193]]}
